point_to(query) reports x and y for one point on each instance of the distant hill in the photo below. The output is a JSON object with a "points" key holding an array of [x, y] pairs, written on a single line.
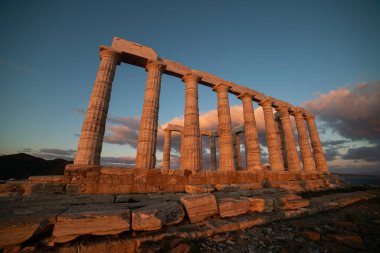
{"points": [[20, 166]]}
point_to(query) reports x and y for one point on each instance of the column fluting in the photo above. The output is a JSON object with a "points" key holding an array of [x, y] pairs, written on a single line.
{"points": [[273, 143], [167, 144], [92, 134]]}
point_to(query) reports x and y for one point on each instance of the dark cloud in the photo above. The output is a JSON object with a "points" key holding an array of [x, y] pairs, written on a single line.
{"points": [[353, 113], [370, 154]]}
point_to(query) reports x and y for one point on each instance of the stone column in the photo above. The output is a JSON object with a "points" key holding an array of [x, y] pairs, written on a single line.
{"points": [[280, 136], [191, 130], [319, 155], [166, 155], [303, 140], [290, 145], [253, 155], [237, 151], [147, 141], [212, 153], [274, 146], [226, 152], [201, 151], [91, 138]]}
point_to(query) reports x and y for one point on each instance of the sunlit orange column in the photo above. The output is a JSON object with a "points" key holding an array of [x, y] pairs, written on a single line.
{"points": [[290, 144], [303, 140], [91, 138], [226, 152], [253, 154], [273, 143], [191, 132], [147, 140], [319, 155], [237, 151]]}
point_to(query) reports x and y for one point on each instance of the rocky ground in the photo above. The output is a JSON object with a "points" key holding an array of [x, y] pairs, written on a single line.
{"points": [[351, 229]]}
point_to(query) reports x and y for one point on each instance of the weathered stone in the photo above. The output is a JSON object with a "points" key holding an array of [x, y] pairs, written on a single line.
{"points": [[93, 219], [311, 235], [199, 206], [351, 240], [296, 204], [154, 217], [258, 204], [198, 188], [181, 248], [17, 233], [226, 187], [229, 207]]}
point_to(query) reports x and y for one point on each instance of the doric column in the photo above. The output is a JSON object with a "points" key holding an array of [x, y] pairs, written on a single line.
{"points": [[201, 151], [147, 141], [226, 152], [280, 136], [91, 138], [303, 140], [212, 153], [290, 145], [166, 155], [252, 145], [237, 151], [191, 130], [319, 155], [274, 146]]}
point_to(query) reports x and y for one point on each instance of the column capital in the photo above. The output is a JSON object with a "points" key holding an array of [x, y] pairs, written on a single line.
{"points": [[266, 102], [109, 53], [309, 117], [297, 114], [167, 130], [221, 87], [155, 65], [245, 95], [282, 110], [191, 77]]}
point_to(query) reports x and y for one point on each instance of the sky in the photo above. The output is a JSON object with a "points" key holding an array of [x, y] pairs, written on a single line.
{"points": [[322, 55]]}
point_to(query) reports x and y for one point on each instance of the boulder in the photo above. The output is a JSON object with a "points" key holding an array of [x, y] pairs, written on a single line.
{"points": [[94, 219], [153, 217], [229, 207], [199, 206], [198, 188]]}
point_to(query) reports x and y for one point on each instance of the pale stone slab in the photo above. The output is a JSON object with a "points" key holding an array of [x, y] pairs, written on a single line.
{"points": [[91, 219], [229, 207], [154, 217], [199, 206]]}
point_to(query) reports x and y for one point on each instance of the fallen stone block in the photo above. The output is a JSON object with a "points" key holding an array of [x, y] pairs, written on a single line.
{"points": [[226, 187], [229, 207], [18, 233], [296, 204], [258, 204], [199, 206], [94, 219], [154, 217], [199, 188], [250, 186]]}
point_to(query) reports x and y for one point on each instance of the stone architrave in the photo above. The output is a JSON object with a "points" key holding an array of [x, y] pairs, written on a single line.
{"points": [[319, 155], [191, 132], [226, 152], [91, 138], [212, 153], [252, 146], [147, 140], [290, 145], [303, 140], [237, 151], [274, 146], [167, 144]]}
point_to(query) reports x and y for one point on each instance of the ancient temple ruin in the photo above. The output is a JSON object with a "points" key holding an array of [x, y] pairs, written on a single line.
{"points": [[282, 161]]}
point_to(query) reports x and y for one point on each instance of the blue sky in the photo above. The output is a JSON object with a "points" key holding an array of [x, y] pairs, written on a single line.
{"points": [[291, 50]]}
